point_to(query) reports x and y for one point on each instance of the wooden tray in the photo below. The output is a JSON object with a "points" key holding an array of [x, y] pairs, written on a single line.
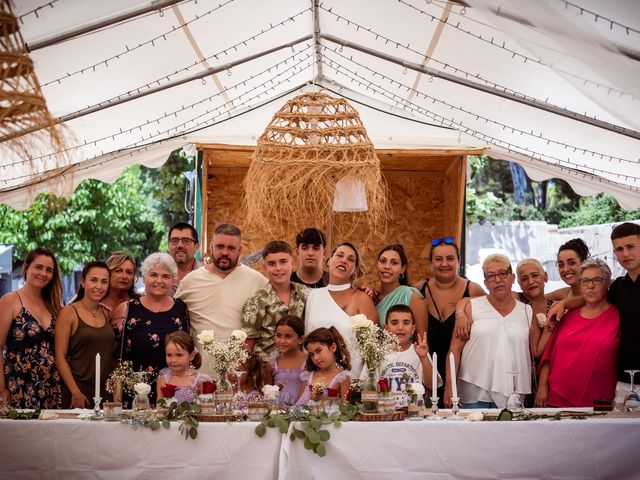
{"points": [[218, 418], [379, 417]]}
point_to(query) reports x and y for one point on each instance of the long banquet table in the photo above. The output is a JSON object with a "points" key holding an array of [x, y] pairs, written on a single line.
{"points": [[598, 448]]}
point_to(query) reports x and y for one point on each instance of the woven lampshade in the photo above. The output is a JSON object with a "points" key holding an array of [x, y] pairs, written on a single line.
{"points": [[313, 142], [22, 104]]}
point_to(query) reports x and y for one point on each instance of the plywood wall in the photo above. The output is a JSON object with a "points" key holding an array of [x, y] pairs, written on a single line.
{"points": [[426, 196]]}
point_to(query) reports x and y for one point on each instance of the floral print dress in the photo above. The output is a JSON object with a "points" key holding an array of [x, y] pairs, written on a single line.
{"points": [[29, 368], [143, 336]]}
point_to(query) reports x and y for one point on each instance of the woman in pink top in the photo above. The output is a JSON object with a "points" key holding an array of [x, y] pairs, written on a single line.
{"points": [[579, 363]]}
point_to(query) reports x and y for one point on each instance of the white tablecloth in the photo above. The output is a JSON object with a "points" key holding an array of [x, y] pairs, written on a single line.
{"points": [[596, 448], [81, 449]]}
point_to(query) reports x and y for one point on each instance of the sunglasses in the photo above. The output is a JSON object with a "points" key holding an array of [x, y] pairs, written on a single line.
{"points": [[437, 241]]}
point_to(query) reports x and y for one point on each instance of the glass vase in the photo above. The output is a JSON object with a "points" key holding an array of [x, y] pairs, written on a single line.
{"points": [[370, 393], [140, 402], [224, 395]]}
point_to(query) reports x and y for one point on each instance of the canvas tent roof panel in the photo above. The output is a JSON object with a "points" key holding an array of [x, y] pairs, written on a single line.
{"points": [[548, 52]]}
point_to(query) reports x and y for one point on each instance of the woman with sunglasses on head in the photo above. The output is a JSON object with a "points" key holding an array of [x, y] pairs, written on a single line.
{"points": [[442, 292], [496, 360], [579, 363]]}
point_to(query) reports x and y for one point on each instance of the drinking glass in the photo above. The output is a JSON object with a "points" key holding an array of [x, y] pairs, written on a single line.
{"points": [[240, 400], [632, 399]]}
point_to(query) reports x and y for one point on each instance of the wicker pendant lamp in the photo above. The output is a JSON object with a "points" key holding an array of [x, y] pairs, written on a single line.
{"points": [[22, 104], [314, 142]]}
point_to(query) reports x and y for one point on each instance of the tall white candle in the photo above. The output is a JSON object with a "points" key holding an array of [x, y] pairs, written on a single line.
{"points": [[452, 368], [97, 390], [434, 375]]}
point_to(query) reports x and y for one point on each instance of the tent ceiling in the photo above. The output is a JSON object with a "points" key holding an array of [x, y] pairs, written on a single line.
{"points": [[550, 84]]}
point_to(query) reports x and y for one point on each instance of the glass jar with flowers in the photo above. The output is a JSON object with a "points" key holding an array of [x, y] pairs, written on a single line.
{"points": [[386, 401], [141, 400], [223, 356], [373, 344]]}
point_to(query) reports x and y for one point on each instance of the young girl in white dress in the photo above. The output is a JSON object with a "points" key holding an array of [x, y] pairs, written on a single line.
{"points": [[328, 363]]}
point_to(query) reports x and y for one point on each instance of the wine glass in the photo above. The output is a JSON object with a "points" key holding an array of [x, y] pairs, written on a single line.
{"points": [[240, 400], [632, 399], [514, 402]]}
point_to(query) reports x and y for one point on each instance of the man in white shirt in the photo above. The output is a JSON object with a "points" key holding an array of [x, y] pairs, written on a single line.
{"points": [[216, 293]]}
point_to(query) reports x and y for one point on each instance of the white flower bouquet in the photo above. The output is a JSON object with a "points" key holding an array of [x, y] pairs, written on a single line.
{"points": [[224, 355], [372, 342]]}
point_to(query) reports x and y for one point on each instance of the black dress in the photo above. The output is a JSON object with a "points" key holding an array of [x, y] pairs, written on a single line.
{"points": [[144, 333], [439, 337]]}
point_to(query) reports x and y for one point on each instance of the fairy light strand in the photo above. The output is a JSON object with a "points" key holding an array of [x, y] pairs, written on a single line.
{"points": [[36, 10], [112, 136], [596, 16], [412, 107], [514, 53], [529, 133]]}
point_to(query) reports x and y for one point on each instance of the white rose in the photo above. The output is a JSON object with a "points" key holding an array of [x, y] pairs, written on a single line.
{"points": [[142, 388], [417, 388], [475, 417], [361, 321], [271, 391], [206, 336], [239, 335], [542, 320]]}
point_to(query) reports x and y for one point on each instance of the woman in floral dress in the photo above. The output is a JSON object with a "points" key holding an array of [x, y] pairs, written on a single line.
{"points": [[28, 375], [142, 324]]}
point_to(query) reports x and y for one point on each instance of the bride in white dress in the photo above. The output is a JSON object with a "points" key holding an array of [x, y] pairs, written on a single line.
{"points": [[335, 304]]}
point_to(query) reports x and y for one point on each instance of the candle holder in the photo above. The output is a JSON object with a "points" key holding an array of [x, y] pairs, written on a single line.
{"points": [[96, 407], [434, 410], [455, 409]]}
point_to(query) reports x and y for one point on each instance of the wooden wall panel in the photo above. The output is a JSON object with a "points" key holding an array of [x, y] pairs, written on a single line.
{"points": [[426, 200]]}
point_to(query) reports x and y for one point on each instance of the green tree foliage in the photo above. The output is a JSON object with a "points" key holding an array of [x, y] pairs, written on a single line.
{"points": [[96, 220], [491, 197]]}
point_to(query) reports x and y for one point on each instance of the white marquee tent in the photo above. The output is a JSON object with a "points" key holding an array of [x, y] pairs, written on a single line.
{"points": [[550, 84]]}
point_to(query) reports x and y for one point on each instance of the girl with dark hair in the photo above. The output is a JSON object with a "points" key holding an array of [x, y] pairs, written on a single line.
{"points": [[288, 362], [84, 330], [28, 375], [328, 363], [570, 256], [183, 362], [335, 304], [394, 286]]}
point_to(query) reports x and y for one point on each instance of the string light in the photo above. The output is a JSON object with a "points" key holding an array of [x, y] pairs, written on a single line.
{"points": [[363, 82], [479, 116], [36, 10], [117, 56], [299, 57], [596, 16]]}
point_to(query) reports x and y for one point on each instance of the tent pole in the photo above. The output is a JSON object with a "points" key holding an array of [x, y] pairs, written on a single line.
{"points": [[525, 100], [112, 103], [316, 40], [155, 5]]}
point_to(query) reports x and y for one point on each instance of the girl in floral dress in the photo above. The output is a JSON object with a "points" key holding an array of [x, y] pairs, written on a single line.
{"points": [[328, 363], [143, 324], [289, 360], [182, 372], [28, 375]]}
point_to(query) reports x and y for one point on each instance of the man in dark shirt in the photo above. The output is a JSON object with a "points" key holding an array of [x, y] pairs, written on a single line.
{"points": [[310, 245], [625, 294]]}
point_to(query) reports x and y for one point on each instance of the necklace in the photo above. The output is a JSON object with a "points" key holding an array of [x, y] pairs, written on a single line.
{"points": [[338, 288], [94, 313]]}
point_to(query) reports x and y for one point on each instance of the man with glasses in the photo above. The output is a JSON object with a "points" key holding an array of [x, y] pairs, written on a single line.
{"points": [[183, 245]]}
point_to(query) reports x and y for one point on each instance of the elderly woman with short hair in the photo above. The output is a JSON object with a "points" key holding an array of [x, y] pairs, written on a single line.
{"points": [[499, 344], [145, 322], [579, 363]]}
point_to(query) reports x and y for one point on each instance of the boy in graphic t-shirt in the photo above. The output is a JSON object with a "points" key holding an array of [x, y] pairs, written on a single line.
{"points": [[411, 360]]}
